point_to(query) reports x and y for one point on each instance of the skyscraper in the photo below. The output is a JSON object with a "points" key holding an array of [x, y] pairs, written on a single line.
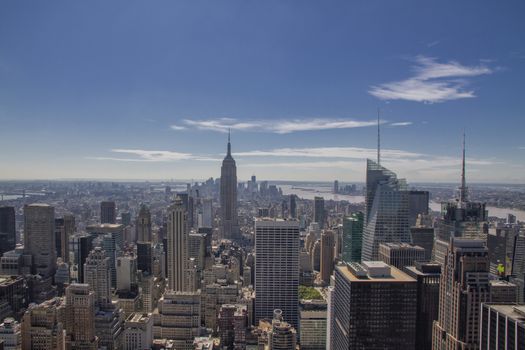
{"points": [[460, 218], [386, 214], [400, 254], [327, 255], [42, 326], [39, 238], [228, 197], [7, 229], [143, 225], [319, 211], [502, 326], [374, 307], [177, 246], [417, 204], [80, 317], [108, 212], [427, 276], [464, 286], [293, 206], [64, 228], [80, 245], [352, 237], [276, 269], [97, 276]]}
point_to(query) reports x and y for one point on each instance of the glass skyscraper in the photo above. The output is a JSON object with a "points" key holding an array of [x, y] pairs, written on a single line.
{"points": [[386, 213]]}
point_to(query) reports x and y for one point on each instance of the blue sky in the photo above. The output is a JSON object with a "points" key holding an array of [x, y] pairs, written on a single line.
{"points": [[147, 90]]}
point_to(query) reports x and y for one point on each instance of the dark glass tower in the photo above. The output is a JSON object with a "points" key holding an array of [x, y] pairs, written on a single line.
{"points": [[229, 220]]}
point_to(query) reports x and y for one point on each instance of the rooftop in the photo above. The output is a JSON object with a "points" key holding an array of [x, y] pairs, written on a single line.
{"points": [[395, 275], [513, 311]]}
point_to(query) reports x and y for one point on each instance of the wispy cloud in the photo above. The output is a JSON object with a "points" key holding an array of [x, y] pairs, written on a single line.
{"points": [[140, 155], [274, 126], [401, 124], [329, 152], [521, 147], [432, 82], [177, 127], [433, 43]]}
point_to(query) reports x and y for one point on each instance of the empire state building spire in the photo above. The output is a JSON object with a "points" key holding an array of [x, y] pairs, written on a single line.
{"points": [[228, 196], [229, 145]]}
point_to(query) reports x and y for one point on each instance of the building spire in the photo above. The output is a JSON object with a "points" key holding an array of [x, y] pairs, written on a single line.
{"points": [[229, 144], [378, 139], [463, 191]]}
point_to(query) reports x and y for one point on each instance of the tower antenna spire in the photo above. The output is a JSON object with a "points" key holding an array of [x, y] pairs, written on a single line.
{"points": [[378, 138], [463, 188], [229, 144]]}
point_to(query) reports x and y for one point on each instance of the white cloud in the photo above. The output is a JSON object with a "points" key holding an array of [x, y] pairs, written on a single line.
{"points": [[177, 127], [432, 82], [276, 126], [329, 152], [141, 155], [401, 124]]}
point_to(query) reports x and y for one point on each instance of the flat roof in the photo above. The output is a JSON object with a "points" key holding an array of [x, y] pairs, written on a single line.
{"points": [[513, 311], [396, 275]]}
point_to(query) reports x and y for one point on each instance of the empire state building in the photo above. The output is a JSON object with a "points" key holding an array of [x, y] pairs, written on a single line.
{"points": [[229, 220]]}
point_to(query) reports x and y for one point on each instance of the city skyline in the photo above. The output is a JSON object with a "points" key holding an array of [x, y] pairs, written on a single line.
{"points": [[147, 95]]}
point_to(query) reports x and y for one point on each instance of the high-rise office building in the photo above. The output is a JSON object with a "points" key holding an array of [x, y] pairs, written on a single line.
{"points": [[108, 212], [126, 267], [400, 254], [7, 229], [293, 206], [427, 276], [464, 286], [143, 225], [144, 257], [312, 328], [374, 307], [207, 213], [276, 269], [138, 331], [64, 229], [179, 318], [352, 237], [80, 317], [228, 197], [460, 218], [177, 246], [417, 205], [97, 275], [423, 237], [39, 238], [319, 211], [42, 326], [386, 213], [80, 246], [10, 334], [233, 324], [327, 255], [502, 326]]}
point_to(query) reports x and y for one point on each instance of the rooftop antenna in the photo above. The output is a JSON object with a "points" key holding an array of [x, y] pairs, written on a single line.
{"points": [[463, 188], [378, 139], [229, 145]]}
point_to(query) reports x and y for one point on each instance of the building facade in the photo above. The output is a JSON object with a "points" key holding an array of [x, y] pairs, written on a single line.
{"points": [[276, 269]]}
